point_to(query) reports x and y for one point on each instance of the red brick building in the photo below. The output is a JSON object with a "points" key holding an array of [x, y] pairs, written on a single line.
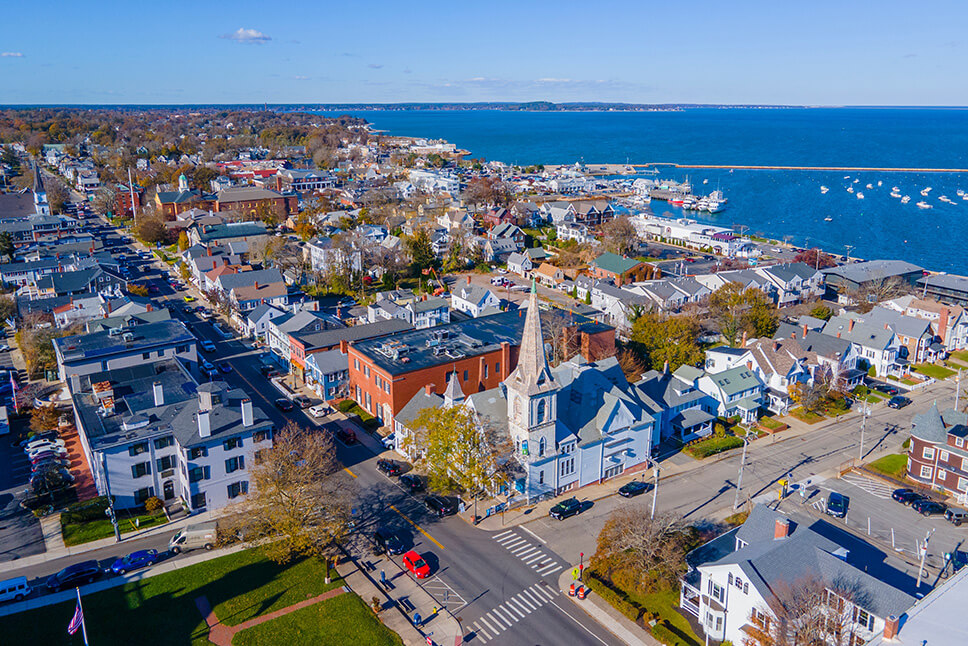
{"points": [[386, 373], [128, 197], [938, 456]]}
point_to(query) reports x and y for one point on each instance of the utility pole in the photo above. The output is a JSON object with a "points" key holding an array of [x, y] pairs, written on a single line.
{"points": [[957, 388], [655, 488], [923, 548], [742, 464], [849, 247], [865, 412]]}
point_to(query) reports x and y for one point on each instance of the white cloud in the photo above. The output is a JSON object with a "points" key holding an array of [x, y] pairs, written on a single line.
{"points": [[252, 36], [11, 55], [552, 80]]}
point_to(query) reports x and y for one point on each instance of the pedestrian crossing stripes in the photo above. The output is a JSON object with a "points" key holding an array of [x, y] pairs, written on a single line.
{"points": [[530, 553], [502, 617]]}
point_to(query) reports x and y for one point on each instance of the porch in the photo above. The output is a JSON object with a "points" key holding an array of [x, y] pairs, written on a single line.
{"points": [[692, 424]]}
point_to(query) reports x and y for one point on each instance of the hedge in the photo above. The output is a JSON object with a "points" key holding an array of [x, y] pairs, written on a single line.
{"points": [[712, 445], [86, 510], [668, 635], [613, 597]]}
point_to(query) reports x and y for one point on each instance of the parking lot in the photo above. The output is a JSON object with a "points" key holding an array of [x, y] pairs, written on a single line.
{"points": [[20, 533], [874, 515]]}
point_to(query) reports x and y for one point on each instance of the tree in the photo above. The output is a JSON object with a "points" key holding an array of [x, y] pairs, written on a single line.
{"points": [[137, 290], [57, 195], [487, 190], [641, 554], [6, 245], [877, 290], [421, 252], [821, 312], [183, 241], [735, 309], [659, 338], [811, 396], [815, 258], [631, 364], [150, 230], [298, 502], [8, 308], [44, 418], [809, 611], [105, 199], [619, 236], [457, 449]]}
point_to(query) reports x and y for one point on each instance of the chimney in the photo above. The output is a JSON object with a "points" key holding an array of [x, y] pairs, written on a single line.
{"points": [[749, 365], [429, 389], [665, 368], [744, 339], [344, 346], [159, 393], [247, 412], [793, 334], [850, 325], [892, 626], [204, 423], [776, 346], [209, 251], [943, 324], [885, 326], [75, 383], [804, 330], [838, 335], [204, 400], [108, 303], [468, 280], [782, 529]]}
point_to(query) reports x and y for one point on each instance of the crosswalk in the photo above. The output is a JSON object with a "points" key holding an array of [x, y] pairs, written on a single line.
{"points": [[874, 487], [502, 617], [529, 553]]}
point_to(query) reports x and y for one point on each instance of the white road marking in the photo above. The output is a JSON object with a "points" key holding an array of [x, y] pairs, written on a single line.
{"points": [[546, 570], [535, 597], [535, 535], [517, 604], [544, 562], [509, 540], [522, 548], [479, 634], [525, 601], [534, 557], [541, 591], [504, 619], [504, 533], [489, 626], [513, 609], [526, 553], [580, 624]]}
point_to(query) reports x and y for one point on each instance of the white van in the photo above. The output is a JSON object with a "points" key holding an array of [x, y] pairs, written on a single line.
{"points": [[14, 589]]}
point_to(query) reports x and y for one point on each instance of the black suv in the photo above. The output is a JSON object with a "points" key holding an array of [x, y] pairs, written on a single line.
{"points": [[389, 468], [387, 541], [565, 508], [74, 575], [440, 506], [929, 507], [411, 482], [906, 496], [898, 401], [885, 388], [633, 488]]}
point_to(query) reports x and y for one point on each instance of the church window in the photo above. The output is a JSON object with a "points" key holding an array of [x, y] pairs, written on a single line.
{"points": [[542, 445], [541, 411]]}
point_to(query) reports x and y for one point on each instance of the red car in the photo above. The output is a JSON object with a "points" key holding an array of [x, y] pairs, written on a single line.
{"points": [[417, 566]]}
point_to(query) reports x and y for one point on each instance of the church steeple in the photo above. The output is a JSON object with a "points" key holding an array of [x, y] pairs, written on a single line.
{"points": [[453, 395], [41, 207], [532, 375], [182, 183]]}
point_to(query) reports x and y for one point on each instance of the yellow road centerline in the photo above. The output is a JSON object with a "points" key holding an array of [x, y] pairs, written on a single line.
{"points": [[418, 527], [347, 470]]}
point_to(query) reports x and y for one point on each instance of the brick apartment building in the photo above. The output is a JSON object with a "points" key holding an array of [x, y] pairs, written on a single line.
{"points": [[386, 373], [938, 456]]}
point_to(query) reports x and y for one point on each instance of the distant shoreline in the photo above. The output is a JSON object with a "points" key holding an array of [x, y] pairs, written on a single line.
{"points": [[526, 106]]}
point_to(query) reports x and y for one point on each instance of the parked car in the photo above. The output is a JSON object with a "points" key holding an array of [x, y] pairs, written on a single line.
{"points": [[389, 468], [268, 371], [285, 405], [440, 506], [956, 516], [905, 496], [898, 401], [55, 452], [225, 367], [565, 508], [885, 388], [46, 435], [346, 435], [14, 589], [837, 504], [411, 482], [74, 575], [207, 346], [387, 541], [416, 565], [633, 488], [927, 507], [209, 369], [134, 561], [390, 441], [50, 462], [319, 410], [188, 297], [302, 401], [36, 445]]}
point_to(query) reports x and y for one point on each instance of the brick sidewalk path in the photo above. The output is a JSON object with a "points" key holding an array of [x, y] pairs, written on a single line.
{"points": [[219, 633]]}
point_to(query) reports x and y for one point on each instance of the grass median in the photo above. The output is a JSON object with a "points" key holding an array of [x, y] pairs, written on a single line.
{"points": [[161, 610]]}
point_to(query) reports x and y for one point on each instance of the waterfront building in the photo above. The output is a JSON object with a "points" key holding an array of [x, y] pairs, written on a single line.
{"points": [[845, 280], [938, 456]]}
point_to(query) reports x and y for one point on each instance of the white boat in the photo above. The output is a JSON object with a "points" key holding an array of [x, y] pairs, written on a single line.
{"points": [[717, 196], [960, 193], [925, 192], [705, 181], [860, 195], [905, 199], [895, 189], [895, 194], [880, 183], [828, 219], [714, 206], [965, 196], [824, 189], [850, 189], [924, 205], [856, 181], [846, 176], [870, 187]]}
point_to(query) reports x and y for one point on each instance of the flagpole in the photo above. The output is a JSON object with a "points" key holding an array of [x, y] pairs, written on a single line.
{"points": [[83, 621]]}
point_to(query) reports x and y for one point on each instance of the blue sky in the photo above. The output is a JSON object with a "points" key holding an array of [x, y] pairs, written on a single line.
{"points": [[703, 51]]}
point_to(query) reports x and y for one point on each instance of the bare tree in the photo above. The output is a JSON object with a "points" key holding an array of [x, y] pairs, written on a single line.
{"points": [[619, 236], [299, 504], [875, 291]]}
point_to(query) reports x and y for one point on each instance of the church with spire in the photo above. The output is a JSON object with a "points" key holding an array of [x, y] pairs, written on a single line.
{"points": [[571, 425], [41, 207]]}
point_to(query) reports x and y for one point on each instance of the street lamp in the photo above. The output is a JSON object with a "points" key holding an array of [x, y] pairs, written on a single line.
{"points": [[742, 465], [655, 487]]}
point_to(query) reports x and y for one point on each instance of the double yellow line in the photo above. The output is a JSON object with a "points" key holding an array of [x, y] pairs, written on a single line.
{"points": [[418, 527]]}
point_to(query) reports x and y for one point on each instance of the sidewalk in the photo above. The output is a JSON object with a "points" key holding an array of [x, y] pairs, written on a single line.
{"points": [[404, 600], [56, 548], [607, 616]]}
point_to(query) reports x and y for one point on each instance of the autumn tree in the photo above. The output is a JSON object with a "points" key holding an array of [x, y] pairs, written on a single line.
{"points": [[44, 418], [877, 290], [57, 195], [631, 364], [299, 501], [487, 190], [619, 236], [815, 258], [456, 449], [421, 252], [821, 312], [735, 309], [6, 245], [643, 554], [183, 241], [811, 396], [659, 338], [105, 199], [8, 308], [150, 230]]}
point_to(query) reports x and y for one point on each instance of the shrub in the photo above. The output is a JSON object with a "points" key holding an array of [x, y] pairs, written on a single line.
{"points": [[906, 444], [712, 446], [668, 635], [613, 597], [346, 405], [86, 510], [153, 504], [871, 372]]}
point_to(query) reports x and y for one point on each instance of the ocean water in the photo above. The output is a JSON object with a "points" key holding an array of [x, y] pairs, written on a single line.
{"points": [[775, 203]]}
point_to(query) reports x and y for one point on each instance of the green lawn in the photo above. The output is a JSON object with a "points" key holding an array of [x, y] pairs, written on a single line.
{"points": [[92, 530], [161, 610], [894, 465], [665, 605], [931, 370], [712, 446], [806, 416], [341, 621], [960, 355], [770, 423]]}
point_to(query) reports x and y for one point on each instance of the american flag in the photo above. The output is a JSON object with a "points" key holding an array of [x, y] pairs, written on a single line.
{"points": [[13, 391], [77, 621]]}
